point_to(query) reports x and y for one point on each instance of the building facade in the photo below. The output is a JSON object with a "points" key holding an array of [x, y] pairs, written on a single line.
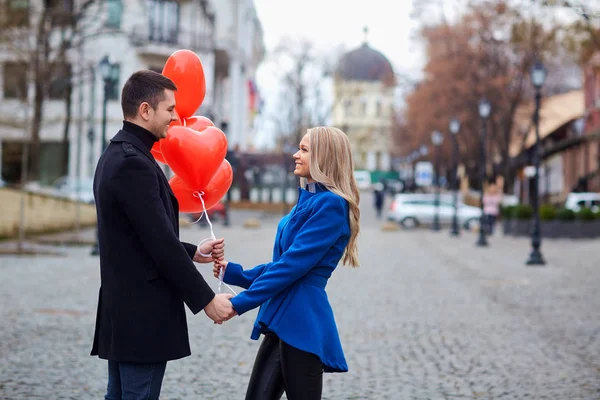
{"points": [[134, 35], [364, 106]]}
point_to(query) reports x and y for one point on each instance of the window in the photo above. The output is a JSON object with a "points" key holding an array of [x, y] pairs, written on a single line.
{"points": [[164, 21], [61, 12], [378, 108], [347, 107], [15, 80], [16, 13], [60, 82], [114, 13], [363, 107]]}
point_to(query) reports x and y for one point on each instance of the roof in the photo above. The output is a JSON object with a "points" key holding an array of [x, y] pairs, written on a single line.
{"points": [[365, 64], [555, 111]]}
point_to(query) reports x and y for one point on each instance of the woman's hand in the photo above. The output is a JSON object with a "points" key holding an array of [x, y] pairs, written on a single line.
{"points": [[218, 266]]}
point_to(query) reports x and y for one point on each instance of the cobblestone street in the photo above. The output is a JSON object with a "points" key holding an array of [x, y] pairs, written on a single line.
{"points": [[427, 316]]}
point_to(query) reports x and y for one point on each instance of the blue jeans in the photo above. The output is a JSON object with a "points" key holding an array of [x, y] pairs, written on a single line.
{"points": [[134, 381]]}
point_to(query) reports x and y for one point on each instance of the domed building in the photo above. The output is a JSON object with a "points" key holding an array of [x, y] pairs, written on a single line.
{"points": [[363, 106]]}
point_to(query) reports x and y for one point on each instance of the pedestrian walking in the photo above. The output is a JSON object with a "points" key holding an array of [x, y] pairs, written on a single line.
{"points": [[301, 339], [146, 272], [379, 194], [492, 198]]}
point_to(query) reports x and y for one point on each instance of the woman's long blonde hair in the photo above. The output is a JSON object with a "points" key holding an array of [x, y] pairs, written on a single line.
{"points": [[331, 165]]}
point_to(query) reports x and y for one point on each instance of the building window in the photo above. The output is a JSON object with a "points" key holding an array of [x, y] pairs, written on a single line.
{"points": [[347, 107], [15, 80], [61, 12], [378, 108], [60, 82], [114, 13], [363, 107], [113, 87], [15, 12], [164, 21]]}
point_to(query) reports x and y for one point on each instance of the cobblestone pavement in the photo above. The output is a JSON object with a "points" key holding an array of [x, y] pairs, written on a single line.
{"points": [[427, 316]]}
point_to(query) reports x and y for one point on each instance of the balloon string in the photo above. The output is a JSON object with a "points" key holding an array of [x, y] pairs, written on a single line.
{"points": [[213, 237], [212, 232]]}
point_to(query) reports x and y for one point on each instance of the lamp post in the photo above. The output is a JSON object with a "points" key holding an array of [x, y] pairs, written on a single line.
{"points": [[437, 140], [108, 70], [454, 129], [109, 73], [538, 76], [484, 112]]}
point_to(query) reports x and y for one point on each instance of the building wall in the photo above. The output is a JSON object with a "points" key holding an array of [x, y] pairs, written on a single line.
{"points": [[131, 47], [365, 111], [239, 36]]}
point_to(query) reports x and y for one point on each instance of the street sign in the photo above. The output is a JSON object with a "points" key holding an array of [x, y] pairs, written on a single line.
{"points": [[423, 173]]}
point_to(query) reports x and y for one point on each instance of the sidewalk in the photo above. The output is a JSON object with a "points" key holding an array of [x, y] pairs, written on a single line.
{"points": [[426, 316]]}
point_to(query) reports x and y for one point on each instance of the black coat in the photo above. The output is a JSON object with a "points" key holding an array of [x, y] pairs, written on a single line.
{"points": [[146, 272]]}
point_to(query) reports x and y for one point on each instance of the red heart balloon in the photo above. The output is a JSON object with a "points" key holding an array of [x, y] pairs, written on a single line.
{"points": [[189, 200], [218, 185], [188, 203], [156, 150], [194, 156], [185, 69], [198, 123]]}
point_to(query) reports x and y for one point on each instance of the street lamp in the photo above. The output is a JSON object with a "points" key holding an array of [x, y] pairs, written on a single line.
{"points": [[109, 72], [484, 112], [110, 75], [538, 76], [454, 129], [437, 140]]}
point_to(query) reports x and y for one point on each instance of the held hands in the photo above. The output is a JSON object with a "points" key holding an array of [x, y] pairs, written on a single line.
{"points": [[219, 265], [216, 248], [220, 308]]}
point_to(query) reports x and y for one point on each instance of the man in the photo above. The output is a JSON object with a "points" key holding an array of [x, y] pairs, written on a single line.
{"points": [[146, 273]]}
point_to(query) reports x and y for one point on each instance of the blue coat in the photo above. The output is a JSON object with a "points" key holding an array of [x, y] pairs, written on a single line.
{"points": [[290, 290]]}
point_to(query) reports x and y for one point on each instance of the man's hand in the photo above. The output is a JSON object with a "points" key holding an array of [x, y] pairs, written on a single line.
{"points": [[216, 248], [220, 309], [218, 266]]}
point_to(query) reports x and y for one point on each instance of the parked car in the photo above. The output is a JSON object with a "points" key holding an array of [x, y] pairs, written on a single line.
{"points": [[75, 188], [414, 209], [576, 201]]}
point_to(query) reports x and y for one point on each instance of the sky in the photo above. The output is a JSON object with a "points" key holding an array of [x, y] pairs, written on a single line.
{"points": [[331, 23]]}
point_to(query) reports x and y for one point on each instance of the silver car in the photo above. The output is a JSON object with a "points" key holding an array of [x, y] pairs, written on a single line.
{"points": [[413, 209]]}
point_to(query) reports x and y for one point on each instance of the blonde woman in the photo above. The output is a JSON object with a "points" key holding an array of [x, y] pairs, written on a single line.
{"points": [[301, 338]]}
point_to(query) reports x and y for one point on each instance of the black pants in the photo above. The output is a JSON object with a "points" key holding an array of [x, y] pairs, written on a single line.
{"points": [[280, 367], [491, 222]]}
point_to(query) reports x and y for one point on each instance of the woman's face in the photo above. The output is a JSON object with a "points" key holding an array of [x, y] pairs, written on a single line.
{"points": [[302, 159]]}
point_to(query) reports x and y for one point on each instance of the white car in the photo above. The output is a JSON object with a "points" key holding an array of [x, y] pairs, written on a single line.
{"points": [[413, 209], [576, 201]]}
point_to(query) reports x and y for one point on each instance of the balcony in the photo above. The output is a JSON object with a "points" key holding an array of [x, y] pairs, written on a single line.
{"points": [[162, 41]]}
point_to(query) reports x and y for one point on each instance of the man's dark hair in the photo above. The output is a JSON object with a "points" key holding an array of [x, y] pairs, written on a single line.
{"points": [[144, 86]]}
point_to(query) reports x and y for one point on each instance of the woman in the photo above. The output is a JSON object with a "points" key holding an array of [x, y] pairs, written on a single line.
{"points": [[301, 339], [492, 198]]}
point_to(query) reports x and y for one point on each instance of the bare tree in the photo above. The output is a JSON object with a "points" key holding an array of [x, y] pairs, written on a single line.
{"points": [[304, 78], [44, 35], [487, 52]]}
